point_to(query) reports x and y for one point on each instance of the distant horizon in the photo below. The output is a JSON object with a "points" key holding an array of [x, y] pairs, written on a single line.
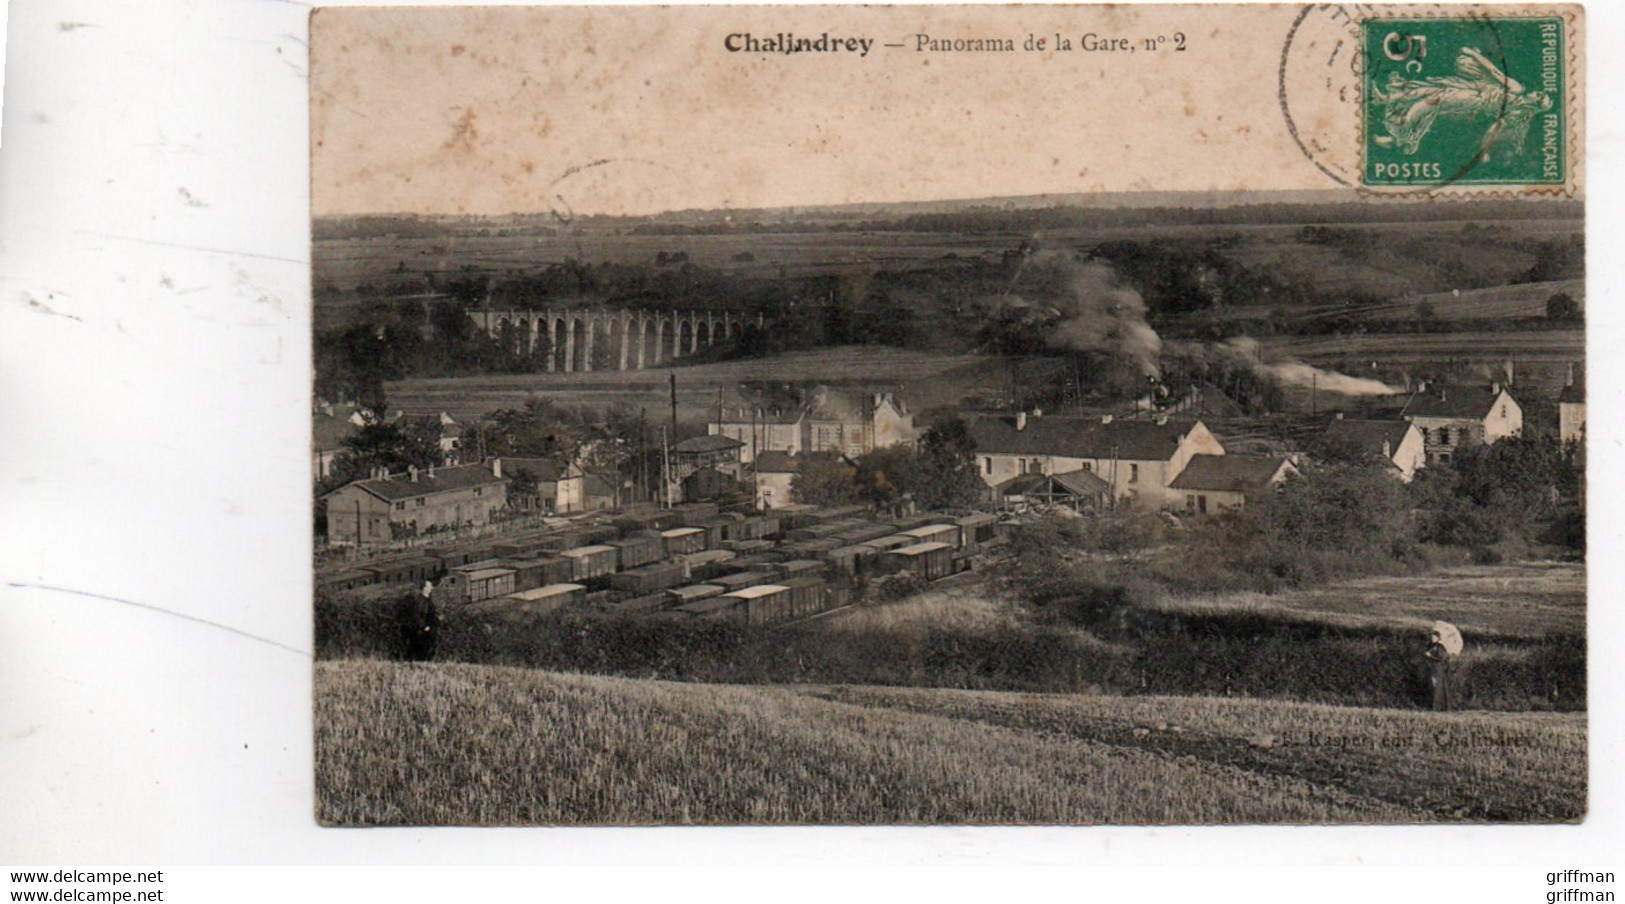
{"points": [[1138, 200]]}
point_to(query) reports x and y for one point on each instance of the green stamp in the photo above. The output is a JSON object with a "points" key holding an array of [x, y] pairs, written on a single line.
{"points": [[1464, 101]]}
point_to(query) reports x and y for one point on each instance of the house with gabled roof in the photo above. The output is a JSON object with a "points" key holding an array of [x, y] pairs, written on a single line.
{"points": [[1217, 483], [389, 506], [1138, 459], [1397, 445], [1571, 410], [1453, 417]]}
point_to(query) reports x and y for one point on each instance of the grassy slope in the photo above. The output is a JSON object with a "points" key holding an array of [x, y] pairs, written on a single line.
{"points": [[1525, 600], [453, 744]]}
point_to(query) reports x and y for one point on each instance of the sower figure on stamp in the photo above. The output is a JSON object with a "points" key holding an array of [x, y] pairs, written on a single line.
{"points": [[1444, 646]]}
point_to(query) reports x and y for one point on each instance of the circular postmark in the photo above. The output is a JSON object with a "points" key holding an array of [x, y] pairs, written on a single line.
{"points": [[1404, 103]]}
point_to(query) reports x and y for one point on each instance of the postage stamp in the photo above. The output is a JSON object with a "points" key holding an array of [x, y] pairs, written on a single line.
{"points": [[1471, 100]]}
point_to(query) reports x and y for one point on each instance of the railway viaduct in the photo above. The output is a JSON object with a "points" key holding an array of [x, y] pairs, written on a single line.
{"points": [[580, 340]]}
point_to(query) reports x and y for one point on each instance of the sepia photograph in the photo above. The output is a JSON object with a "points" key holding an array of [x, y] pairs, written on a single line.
{"points": [[951, 415]]}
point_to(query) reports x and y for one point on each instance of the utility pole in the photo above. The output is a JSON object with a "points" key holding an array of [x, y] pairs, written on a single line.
{"points": [[643, 454], [665, 453], [673, 376]]}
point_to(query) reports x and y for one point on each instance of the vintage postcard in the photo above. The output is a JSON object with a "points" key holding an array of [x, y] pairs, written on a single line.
{"points": [[949, 415]]}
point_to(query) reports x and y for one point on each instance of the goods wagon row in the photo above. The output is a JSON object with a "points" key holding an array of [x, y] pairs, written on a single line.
{"points": [[683, 535]]}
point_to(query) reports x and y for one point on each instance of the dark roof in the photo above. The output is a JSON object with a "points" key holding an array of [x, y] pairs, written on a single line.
{"points": [[1452, 401], [1574, 392], [1368, 436], [780, 462], [1072, 483], [712, 443], [545, 470], [1233, 473], [329, 431], [593, 485], [1078, 437], [401, 486]]}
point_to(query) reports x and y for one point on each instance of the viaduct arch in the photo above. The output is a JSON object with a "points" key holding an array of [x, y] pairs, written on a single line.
{"points": [[581, 340]]}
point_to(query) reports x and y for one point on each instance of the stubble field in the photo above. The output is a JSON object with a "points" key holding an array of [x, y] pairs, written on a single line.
{"points": [[443, 744]]}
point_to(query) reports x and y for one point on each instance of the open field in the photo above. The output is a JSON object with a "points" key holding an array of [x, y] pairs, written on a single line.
{"points": [[456, 744], [1523, 601], [926, 379]]}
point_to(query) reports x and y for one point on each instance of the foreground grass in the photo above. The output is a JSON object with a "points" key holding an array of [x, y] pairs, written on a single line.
{"points": [[460, 744], [1526, 600]]}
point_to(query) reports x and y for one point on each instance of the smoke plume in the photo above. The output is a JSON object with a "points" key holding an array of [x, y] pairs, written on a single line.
{"points": [[1086, 307], [1091, 309], [1295, 373]]}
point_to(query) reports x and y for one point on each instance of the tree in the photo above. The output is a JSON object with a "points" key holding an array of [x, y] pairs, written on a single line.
{"points": [[1562, 306], [886, 477], [824, 480], [947, 475]]}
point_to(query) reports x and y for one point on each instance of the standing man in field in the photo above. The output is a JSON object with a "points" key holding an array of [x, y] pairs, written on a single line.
{"points": [[1444, 646]]}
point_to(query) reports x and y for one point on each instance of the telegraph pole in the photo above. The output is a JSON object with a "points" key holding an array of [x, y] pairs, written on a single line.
{"points": [[673, 376]]}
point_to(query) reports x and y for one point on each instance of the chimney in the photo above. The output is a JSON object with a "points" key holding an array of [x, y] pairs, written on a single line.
{"points": [[1338, 416], [1442, 391], [1162, 420], [412, 472], [1105, 419], [1495, 388], [1038, 412], [496, 467], [1508, 367], [1570, 381], [431, 472], [1021, 420], [1387, 449], [1421, 386]]}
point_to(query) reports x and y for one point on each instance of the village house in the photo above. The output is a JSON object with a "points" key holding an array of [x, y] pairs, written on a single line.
{"points": [[1452, 417], [832, 421], [705, 467], [775, 473], [559, 489], [1219, 483], [839, 423], [1138, 459], [1571, 410], [330, 426], [386, 506], [760, 430], [1398, 444]]}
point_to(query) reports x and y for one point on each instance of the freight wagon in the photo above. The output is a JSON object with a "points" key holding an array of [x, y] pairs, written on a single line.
{"points": [[935, 533], [530, 574], [928, 560], [347, 580], [851, 560], [412, 570], [747, 547], [640, 549], [648, 578], [760, 604], [693, 593], [759, 527], [693, 514], [684, 540], [641, 605], [796, 568], [701, 566], [863, 533], [732, 582], [806, 595], [472, 584], [451, 557], [978, 530], [646, 519], [794, 515], [843, 511], [718, 607], [588, 562], [716, 530], [811, 549], [549, 598], [894, 541]]}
